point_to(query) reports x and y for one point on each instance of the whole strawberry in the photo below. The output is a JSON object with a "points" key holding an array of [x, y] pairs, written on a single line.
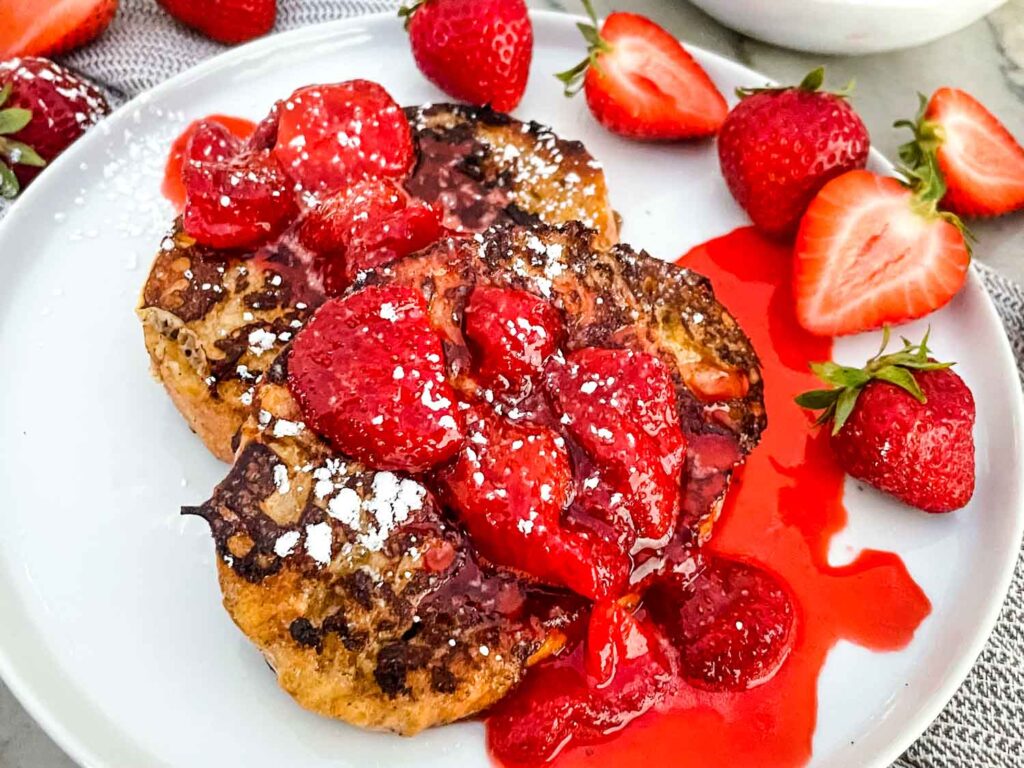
{"points": [[903, 424], [226, 21], [51, 27], [779, 146], [43, 109], [477, 51]]}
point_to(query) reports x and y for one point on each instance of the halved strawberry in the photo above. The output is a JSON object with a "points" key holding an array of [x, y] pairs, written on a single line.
{"points": [[620, 406], [373, 222], [213, 146], [872, 251], [512, 334], [982, 163], [51, 27], [509, 487], [331, 135], [368, 372], [640, 82]]}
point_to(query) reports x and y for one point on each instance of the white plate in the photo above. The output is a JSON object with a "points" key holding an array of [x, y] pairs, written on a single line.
{"points": [[112, 631]]}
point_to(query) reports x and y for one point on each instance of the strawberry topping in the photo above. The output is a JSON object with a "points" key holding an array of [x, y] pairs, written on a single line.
{"points": [[620, 406], [213, 146], [733, 626], [368, 372], [232, 201], [331, 135], [513, 333], [373, 222], [509, 486]]}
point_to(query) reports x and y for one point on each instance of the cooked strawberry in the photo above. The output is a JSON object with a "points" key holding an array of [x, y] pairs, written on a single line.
{"points": [[213, 146], [558, 706], [620, 406], [236, 202], [51, 27], [368, 372], [872, 250], [373, 222], [733, 624], [474, 50], [331, 135], [903, 424], [779, 146], [509, 487], [640, 82], [226, 21], [982, 163], [512, 333], [44, 108]]}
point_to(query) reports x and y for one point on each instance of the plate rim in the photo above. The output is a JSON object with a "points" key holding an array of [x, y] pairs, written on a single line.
{"points": [[76, 748]]}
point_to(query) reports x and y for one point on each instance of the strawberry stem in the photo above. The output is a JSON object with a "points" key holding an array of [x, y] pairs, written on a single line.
{"points": [[405, 12], [812, 83], [596, 45], [12, 152], [847, 383]]}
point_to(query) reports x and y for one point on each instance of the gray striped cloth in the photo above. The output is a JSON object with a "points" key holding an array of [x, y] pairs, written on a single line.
{"points": [[982, 724]]}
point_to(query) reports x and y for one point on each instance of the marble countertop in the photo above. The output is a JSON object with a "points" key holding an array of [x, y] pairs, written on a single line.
{"points": [[986, 59]]}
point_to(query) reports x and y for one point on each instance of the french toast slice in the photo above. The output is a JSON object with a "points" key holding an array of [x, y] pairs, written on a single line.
{"points": [[213, 320], [365, 595]]}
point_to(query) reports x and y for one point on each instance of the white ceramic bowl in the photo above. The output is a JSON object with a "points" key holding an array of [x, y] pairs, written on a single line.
{"points": [[847, 26]]}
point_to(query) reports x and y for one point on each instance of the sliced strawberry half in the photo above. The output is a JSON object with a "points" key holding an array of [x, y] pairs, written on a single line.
{"points": [[368, 373], [51, 27], [983, 164], [640, 82], [509, 487], [213, 146], [332, 135], [512, 333], [620, 406], [872, 251]]}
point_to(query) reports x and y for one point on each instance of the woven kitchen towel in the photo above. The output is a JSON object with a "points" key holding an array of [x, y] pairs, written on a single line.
{"points": [[981, 727]]}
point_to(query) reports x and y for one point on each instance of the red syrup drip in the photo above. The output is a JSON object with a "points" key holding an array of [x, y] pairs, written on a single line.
{"points": [[173, 188], [782, 510]]}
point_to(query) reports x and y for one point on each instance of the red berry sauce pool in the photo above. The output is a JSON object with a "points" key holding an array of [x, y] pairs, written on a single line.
{"points": [[782, 510]]}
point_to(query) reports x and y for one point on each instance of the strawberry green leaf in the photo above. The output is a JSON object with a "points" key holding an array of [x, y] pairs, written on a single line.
{"points": [[9, 186], [813, 80], [14, 119], [897, 368], [19, 153], [5, 93]]}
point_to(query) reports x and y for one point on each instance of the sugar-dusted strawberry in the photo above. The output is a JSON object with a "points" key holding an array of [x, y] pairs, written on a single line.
{"points": [[213, 147], [509, 487], [331, 135], [981, 161], [368, 373], [373, 222], [51, 27], [512, 334], [233, 198], [640, 82], [873, 250], [44, 108], [620, 405], [902, 423], [779, 146], [474, 50], [226, 21], [733, 624], [625, 674]]}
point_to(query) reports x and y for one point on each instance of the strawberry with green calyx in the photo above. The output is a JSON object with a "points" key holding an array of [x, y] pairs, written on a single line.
{"points": [[874, 250], [13, 152], [641, 83], [981, 162], [902, 423], [779, 146]]}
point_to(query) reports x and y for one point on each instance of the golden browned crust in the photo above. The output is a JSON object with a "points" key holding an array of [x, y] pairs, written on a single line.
{"points": [[200, 305]]}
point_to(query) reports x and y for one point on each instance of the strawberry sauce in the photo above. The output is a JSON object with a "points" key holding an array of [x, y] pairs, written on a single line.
{"points": [[781, 512], [173, 188]]}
